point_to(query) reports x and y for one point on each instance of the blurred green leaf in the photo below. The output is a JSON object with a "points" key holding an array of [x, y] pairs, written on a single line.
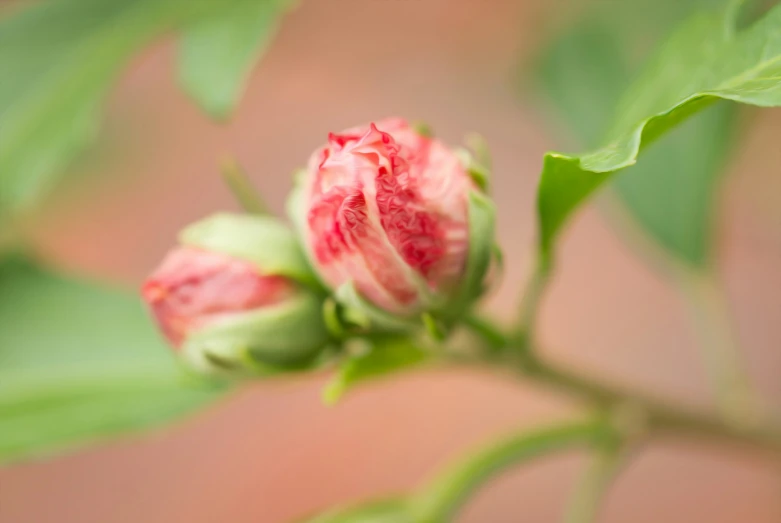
{"points": [[669, 193], [57, 61], [385, 356], [217, 54], [704, 61], [79, 363]]}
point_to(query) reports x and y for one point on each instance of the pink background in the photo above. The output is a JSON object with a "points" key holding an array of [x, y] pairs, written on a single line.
{"points": [[272, 451]]}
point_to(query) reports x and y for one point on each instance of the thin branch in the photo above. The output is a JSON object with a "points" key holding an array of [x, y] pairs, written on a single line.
{"points": [[643, 415], [639, 414], [712, 320], [440, 501], [484, 329], [523, 335], [239, 184], [595, 483]]}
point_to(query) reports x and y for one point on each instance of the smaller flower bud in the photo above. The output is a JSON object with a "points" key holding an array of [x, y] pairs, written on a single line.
{"points": [[236, 297]]}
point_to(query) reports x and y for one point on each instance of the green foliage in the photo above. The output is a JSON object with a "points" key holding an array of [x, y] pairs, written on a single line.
{"points": [[672, 192], [704, 61], [386, 355], [79, 363], [58, 59], [217, 54], [669, 193]]}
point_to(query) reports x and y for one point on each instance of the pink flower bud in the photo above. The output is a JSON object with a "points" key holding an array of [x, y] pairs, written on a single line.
{"points": [[387, 209], [195, 288]]}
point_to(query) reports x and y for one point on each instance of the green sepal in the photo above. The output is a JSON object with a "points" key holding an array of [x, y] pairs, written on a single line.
{"points": [[476, 160], [423, 129], [287, 336], [262, 240], [296, 211], [434, 326], [344, 322], [333, 318], [479, 146], [362, 312], [384, 355], [495, 269], [479, 173], [482, 218]]}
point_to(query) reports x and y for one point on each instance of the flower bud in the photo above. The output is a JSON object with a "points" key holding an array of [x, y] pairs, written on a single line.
{"points": [[236, 296], [392, 219]]}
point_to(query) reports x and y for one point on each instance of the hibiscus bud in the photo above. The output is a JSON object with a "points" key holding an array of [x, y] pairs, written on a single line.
{"points": [[394, 222], [235, 296]]}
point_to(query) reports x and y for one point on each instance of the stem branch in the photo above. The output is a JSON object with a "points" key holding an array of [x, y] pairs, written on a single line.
{"points": [[439, 502], [640, 414], [594, 484], [523, 336], [239, 184], [709, 311]]}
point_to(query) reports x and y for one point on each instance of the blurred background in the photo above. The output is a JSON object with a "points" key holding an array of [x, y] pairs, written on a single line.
{"points": [[272, 451]]}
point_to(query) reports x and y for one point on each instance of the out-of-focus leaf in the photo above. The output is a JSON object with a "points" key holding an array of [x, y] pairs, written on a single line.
{"points": [[79, 363], [669, 193], [703, 62], [385, 356], [57, 61], [217, 54]]}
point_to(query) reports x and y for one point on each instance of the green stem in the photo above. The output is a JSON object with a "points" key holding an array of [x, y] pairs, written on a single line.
{"points": [[238, 182], [639, 414], [523, 336], [745, 426], [594, 484], [710, 314], [439, 502], [484, 329]]}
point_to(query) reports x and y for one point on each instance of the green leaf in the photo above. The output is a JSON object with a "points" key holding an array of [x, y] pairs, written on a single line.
{"points": [[79, 363], [57, 61], [703, 62], [386, 355], [669, 193], [217, 54]]}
